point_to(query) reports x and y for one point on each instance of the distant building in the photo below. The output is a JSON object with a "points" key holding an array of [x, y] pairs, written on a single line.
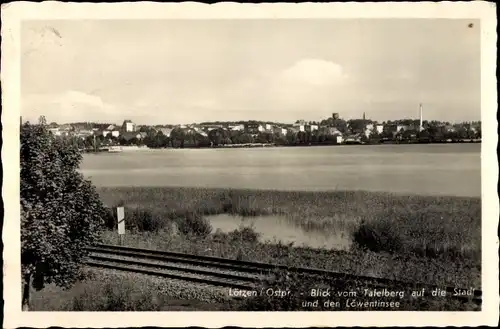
{"points": [[128, 126], [269, 127], [330, 131], [165, 131], [308, 128], [197, 129], [115, 133], [402, 127], [210, 128], [130, 135], [66, 127], [253, 128], [450, 128], [85, 133], [54, 131], [352, 139], [189, 131], [237, 127], [476, 125], [379, 128], [280, 131]]}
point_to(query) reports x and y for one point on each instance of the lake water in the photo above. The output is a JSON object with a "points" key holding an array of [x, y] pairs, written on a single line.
{"points": [[440, 169], [274, 228]]}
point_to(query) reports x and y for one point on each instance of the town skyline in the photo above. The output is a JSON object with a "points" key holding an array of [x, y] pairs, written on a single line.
{"points": [[266, 70], [364, 117]]}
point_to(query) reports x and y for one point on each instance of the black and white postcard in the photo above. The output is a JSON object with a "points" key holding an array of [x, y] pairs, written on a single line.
{"points": [[252, 165]]}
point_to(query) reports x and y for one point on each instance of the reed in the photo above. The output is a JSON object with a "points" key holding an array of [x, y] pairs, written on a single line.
{"points": [[424, 226]]}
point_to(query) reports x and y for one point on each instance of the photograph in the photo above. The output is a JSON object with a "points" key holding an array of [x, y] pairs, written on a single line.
{"points": [[236, 162]]}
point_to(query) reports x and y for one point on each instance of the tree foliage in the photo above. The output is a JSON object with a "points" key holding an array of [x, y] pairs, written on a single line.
{"points": [[219, 136], [404, 130], [61, 212]]}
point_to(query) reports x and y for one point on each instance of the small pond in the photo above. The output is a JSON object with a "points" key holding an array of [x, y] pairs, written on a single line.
{"points": [[280, 228]]}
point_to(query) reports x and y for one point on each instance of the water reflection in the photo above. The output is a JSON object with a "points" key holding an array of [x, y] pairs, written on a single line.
{"points": [[281, 228]]}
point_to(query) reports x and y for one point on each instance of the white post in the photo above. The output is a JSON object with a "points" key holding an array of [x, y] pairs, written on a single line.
{"points": [[120, 214]]}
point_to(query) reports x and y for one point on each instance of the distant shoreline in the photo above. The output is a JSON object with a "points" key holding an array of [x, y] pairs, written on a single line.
{"points": [[128, 148]]}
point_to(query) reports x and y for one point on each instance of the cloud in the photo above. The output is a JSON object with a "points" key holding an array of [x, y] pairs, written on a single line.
{"points": [[307, 85], [73, 98], [206, 104], [314, 72], [67, 106], [286, 94]]}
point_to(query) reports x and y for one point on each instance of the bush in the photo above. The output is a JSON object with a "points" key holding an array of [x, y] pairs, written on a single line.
{"points": [[110, 296], [244, 234], [220, 236], [110, 220], [136, 219], [194, 224], [143, 220], [378, 236]]}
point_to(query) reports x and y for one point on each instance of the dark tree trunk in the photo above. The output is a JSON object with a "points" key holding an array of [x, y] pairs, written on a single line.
{"points": [[26, 293]]}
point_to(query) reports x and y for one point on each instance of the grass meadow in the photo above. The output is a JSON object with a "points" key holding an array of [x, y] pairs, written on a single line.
{"points": [[434, 240], [423, 226], [108, 290]]}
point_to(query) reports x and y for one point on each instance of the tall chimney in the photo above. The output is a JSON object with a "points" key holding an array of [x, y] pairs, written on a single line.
{"points": [[421, 118]]}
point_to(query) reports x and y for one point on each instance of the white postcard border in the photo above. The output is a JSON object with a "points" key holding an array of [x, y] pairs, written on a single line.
{"points": [[14, 13]]}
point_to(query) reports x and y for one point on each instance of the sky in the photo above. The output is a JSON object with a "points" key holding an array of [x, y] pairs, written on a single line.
{"points": [[188, 71]]}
